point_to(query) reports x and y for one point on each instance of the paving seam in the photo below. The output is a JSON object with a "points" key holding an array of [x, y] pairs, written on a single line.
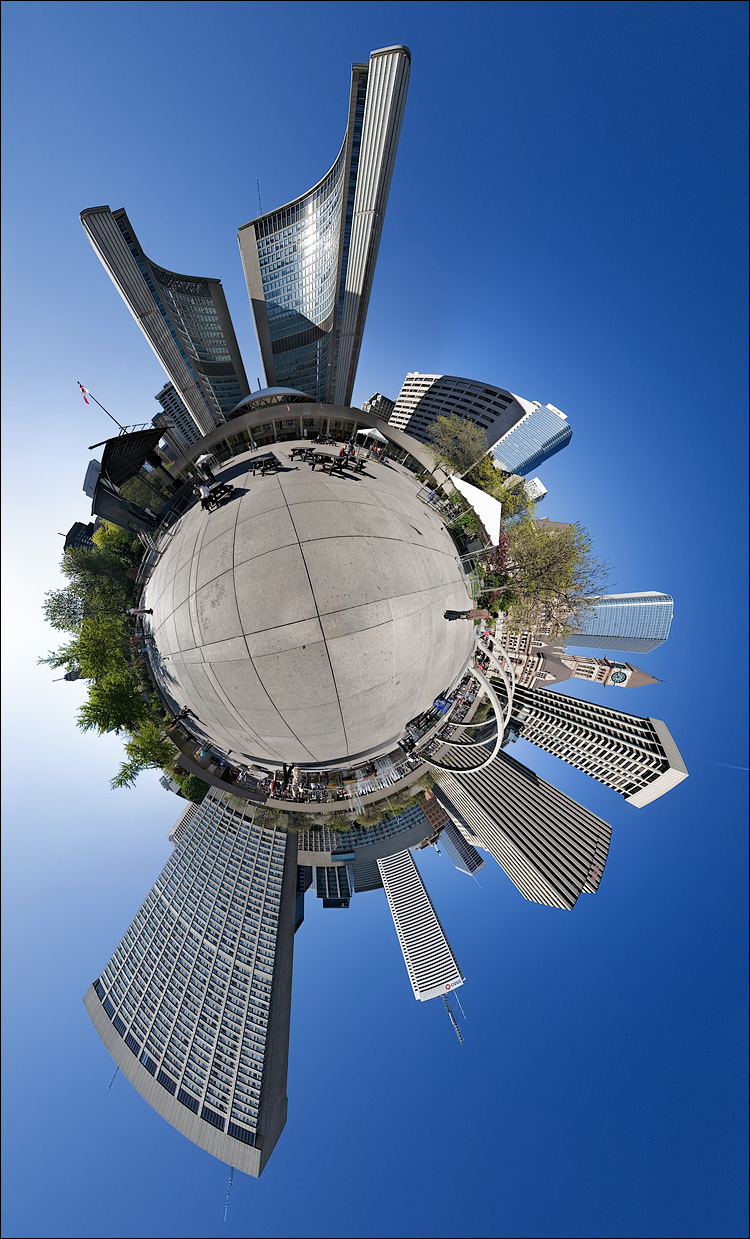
{"points": [[317, 612]]}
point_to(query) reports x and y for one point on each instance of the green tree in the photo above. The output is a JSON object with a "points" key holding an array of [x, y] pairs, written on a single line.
{"points": [[100, 649], [63, 608], [552, 574], [118, 543], [147, 749], [194, 788], [456, 443], [113, 705]]}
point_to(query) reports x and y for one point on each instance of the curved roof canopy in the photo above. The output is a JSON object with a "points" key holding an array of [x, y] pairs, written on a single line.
{"points": [[269, 395], [488, 510]]}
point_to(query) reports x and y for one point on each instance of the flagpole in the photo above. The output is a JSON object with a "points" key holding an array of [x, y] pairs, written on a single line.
{"points": [[85, 391]]}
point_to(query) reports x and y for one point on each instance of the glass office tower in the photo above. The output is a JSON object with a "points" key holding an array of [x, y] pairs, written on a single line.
{"points": [[537, 436], [309, 265], [185, 319], [636, 623]]}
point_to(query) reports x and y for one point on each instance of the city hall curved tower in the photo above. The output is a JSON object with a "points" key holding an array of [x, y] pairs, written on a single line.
{"points": [[185, 319], [309, 265]]}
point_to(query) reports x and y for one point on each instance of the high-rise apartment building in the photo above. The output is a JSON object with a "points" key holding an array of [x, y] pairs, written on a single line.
{"points": [[636, 757], [175, 418], [633, 623], [194, 1005], [535, 490], [185, 319], [182, 825], [520, 433], [551, 848], [80, 535], [309, 265], [379, 406], [430, 962]]}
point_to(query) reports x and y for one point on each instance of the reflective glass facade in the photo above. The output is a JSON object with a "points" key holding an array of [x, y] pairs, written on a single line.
{"points": [[191, 308], [308, 301], [636, 623], [184, 318], [537, 436]]}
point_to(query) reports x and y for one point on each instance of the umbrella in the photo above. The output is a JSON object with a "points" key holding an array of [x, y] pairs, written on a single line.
{"points": [[373, 434], [488, 510], [202, 459]]}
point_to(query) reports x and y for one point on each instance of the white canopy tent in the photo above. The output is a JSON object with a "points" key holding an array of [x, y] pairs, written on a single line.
{"points": [[373, 434], [488, 510]]}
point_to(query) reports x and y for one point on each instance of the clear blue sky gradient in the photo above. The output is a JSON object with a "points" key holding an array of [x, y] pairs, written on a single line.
{"points": [[566, 220]]}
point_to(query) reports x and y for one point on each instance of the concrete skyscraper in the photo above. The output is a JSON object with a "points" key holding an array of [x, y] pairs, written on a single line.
{"points": [[636, 757], [520, 433], [194, 1005], [633, 623], [185, 319], [551, 848], [309, 265], [430, 962]]}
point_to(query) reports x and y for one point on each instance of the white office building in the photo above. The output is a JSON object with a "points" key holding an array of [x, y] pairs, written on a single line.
{"points": [[430, 962], [194, 1005]]}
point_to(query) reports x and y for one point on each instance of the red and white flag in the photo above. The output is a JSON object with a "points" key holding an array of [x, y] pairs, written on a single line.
{"points": [[288, 409], [84, 391]]}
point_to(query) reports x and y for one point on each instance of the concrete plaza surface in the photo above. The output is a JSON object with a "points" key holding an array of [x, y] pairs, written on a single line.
{"points": [[302, 621]]}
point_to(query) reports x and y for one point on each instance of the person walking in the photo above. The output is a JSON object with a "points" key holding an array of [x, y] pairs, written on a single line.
{"points": [[139, 611], [475, 613]]}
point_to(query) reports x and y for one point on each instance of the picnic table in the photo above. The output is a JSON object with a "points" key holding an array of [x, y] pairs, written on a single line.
{"points": [[267, 463]]}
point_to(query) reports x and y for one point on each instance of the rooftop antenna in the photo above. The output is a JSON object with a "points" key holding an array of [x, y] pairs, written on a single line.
{"points": [[113, 1078], [260, 204], [229, 1188], [453, 1019], [458, 1000]]}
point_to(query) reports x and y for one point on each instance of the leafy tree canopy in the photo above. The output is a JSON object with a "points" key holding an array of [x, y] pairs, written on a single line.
{"points": [[147, 749], [457, 443], [112, 705]]}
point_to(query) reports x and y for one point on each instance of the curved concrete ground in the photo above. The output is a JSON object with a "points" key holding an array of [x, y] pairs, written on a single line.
{"points": [[302, 622]]}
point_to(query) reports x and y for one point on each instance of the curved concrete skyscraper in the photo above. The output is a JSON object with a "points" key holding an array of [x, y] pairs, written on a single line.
{"points": [[185, 319], [309, 265]]}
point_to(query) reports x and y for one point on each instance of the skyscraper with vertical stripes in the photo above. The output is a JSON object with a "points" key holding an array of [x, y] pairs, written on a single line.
{"points": [[551, 848], [432, 967], [194, 1005], [309, 265]]}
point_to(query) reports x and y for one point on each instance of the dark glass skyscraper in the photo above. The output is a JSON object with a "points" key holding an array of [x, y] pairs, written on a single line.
{"points": [[309, 265], [185, 319]]}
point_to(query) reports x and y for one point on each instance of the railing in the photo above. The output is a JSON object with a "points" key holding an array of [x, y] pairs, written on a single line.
{"points": [[502, 668]]}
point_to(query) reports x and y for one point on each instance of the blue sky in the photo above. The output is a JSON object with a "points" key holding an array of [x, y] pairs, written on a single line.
{"points": [[566, 220]]}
